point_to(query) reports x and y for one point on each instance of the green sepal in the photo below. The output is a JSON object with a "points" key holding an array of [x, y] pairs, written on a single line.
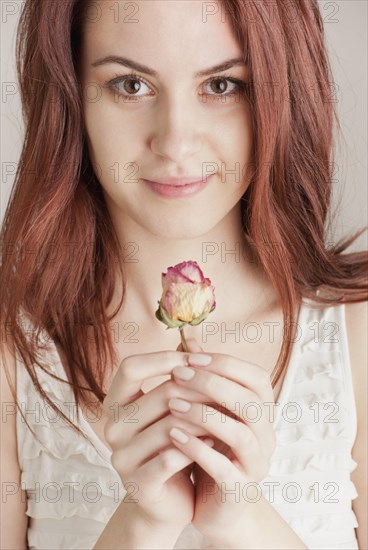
{"points": [[162, 316], [199, 319]]}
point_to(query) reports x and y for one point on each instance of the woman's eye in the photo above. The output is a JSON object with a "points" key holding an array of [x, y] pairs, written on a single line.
{"points": [[133, 86], [128, 85], [220, 85]]}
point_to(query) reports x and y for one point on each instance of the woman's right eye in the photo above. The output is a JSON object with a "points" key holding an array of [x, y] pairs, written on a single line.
{"points": [[127, 86]]}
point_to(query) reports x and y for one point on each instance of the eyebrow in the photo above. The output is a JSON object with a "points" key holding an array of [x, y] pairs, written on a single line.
{"points": [[143, 69]]}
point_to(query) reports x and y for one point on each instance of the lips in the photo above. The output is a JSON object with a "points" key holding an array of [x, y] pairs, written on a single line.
{"points": [[176, 182], [178, 189]]}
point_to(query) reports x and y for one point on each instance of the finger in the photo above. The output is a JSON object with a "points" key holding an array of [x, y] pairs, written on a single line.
{"points": [[168, 463], [132, 418], [227, 393], [236, 404], [154, 404], [192, 346], [161, 468], [134, 369], [151, 442], [211, 461], [249, 375], [238, 436]]}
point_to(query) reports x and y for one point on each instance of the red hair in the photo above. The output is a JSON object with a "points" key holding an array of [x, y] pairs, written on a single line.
{"points": [[57, 200]]}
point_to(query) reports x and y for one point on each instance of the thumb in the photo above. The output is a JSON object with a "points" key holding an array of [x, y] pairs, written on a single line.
{"points": [[192, 345]]}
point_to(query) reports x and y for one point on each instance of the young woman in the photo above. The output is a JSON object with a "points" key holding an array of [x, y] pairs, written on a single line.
{"points": [[156, 133]]}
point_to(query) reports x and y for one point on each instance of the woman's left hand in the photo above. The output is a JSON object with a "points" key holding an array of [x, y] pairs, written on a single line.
{"points": [[243, 446]]}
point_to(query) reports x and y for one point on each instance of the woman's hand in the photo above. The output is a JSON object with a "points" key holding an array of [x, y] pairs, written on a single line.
{"points": [[137, 430], [242, 449]]}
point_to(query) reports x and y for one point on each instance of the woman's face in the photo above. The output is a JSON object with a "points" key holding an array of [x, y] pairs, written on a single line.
{"points": [[172, 123]]}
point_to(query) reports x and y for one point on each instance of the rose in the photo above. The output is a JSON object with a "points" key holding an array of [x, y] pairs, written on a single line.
{"points": [[187, 297]]}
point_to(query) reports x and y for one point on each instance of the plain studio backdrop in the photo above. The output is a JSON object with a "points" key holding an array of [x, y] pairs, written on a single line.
{"points": [[345, 24]]}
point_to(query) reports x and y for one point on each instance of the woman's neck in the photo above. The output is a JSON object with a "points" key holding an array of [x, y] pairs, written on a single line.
{"points": [[224, 255]]}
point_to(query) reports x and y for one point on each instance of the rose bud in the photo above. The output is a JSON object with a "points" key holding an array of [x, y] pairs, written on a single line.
{"points": [[187, 298]]}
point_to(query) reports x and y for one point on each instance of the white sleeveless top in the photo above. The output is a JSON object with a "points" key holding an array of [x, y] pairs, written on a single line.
{"points": [[73, 490]]}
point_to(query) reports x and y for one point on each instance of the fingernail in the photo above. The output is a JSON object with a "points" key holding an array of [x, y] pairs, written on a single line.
{"points": [[183, 373], [179, 435], [199, 359], [209, 442], [179, 405]]}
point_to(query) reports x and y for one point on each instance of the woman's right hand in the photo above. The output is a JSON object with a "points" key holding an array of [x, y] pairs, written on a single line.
{"points": [[137, 431]]}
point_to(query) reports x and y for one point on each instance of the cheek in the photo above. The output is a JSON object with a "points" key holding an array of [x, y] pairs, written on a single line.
{"points": [[239, 133], [234, 139], [114, 145]]}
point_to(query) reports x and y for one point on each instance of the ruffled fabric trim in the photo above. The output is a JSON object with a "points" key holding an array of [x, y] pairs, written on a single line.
{"points": [[104, 483], [73, 483], [296, 494], [62, 462], [324, 461], [56, 541], [327, 531], [310, 372], [46, 423], [317, 450], [60, 510], [311, 432], [316, 382], [57, 447]]}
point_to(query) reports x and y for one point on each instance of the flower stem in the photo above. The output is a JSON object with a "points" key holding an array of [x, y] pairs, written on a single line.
{"points": [[183, 341]]}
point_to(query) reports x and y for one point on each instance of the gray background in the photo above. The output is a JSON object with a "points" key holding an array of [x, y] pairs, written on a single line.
{"points": [[345, 24]]}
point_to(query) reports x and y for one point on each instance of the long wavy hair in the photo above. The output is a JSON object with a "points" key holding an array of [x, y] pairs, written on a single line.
{"points": [[57, 200]]}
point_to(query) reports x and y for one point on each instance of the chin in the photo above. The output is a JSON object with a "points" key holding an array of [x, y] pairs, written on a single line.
{"points": [[188, 229]]}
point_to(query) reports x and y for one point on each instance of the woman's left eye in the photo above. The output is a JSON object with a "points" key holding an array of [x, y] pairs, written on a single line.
{"points": [[222, 86], [129, 92], [217, 86]]}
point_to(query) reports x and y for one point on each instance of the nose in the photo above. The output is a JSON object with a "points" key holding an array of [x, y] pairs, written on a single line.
{"points": [[176, 136]]}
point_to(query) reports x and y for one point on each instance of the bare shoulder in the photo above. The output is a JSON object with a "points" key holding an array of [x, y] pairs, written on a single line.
{"points": [[357, 331], [13, 507], [357, 315]]}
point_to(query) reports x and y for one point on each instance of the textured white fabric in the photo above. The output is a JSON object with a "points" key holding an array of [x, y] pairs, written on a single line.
{"points": [[72, 489]]}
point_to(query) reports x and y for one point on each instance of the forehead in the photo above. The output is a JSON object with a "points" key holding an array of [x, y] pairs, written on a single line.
{"points": [[192, 31]]}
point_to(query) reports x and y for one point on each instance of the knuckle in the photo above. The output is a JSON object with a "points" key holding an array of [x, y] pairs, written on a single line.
{"points": [[127, 367], [110, 432], [116, 462], [210, 384], [170, 422], [110, 439], [166, 459], [169, 389], [222, 361], [173, 422], [168, 358]]}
